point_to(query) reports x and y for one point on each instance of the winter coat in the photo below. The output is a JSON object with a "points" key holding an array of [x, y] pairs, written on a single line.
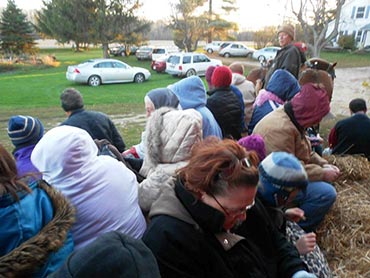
{"points": [[34, 238], [288, 58], [247, 89], [22, 158], [226, 108], [103, 190], [98, 125], [282, 87], [351, 136], [191, 93], [171, 135], [187, 238], [281, 132]]}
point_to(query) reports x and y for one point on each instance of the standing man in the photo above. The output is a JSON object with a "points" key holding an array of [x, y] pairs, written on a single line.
{"points": [[289, 57], [97, 124], [352, 135]]}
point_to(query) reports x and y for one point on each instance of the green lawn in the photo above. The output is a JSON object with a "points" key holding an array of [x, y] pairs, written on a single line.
{"points": [[35, 90]]}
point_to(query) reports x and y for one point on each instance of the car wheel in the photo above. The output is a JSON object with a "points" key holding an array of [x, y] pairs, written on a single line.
{"points": [[191, 72], [139, 78], [227, 55], [210, 50], [262, 59], [94, 80]]}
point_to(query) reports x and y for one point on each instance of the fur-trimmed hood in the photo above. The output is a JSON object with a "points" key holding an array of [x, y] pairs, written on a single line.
{"points": [[34, 253]]}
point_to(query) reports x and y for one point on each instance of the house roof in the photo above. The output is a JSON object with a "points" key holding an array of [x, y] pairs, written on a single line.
{"points": [[365, 28]]}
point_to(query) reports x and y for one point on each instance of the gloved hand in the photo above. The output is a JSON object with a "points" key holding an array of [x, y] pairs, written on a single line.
{"points": [[303, 274]]}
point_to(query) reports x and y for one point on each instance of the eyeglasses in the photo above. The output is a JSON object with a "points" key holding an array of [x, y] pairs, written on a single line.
{"points": [[227, 172], [232, 212]]}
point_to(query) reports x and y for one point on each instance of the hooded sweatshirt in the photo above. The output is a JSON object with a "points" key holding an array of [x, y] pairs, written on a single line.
{"points": [[282, 87], [192, 94], [103, 190]]}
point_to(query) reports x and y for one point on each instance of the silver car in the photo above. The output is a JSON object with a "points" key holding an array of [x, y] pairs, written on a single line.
{"points": [[265, 54], [103, 71]]}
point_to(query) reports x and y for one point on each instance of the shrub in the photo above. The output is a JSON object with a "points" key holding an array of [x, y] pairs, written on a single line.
{"points": [[347, 42]]}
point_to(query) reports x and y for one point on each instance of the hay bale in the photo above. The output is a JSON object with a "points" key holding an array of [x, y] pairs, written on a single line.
{"points": [[345, 234], [353, 167]]}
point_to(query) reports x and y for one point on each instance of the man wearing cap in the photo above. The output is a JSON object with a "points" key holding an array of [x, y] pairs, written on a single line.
{"points": [[24, 132], [289, 57], [97, 124]]}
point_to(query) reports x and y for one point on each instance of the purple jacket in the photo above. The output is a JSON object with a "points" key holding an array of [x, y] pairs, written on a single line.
{"points": [[23, 161]]}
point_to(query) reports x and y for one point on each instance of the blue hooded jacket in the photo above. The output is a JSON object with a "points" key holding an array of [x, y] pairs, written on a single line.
{"points": [[191, 93], [282, 85]]}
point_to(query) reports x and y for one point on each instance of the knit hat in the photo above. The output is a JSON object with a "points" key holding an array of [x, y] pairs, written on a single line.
{"points": [[288, 29], [221, 77], [237, 67], [310, 105], [208, 75], [255, 143], [24, 130], [113, 254], [279, 171]]}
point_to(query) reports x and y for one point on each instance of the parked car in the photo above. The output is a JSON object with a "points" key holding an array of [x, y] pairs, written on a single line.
{"points": [[212, 46], [265, 54], [159, 65], [223, 45], [144, 53], [102, 71], [120, 50], [159, 51], [236, 49], [190, 63]]}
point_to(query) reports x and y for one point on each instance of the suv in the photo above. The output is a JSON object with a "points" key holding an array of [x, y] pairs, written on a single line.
{"points": [[159, 51], [191, 63], [144, 52], [212, 46], [236, 49]]}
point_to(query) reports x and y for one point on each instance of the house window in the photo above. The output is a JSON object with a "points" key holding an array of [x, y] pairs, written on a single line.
{"points": [[358, 37], [360, 12]]}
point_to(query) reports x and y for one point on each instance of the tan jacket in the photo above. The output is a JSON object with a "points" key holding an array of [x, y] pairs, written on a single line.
{"points": [[280, 134]]}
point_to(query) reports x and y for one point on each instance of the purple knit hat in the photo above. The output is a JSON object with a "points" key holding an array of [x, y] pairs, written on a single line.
{"points": [[255, 143], [208, 75]]}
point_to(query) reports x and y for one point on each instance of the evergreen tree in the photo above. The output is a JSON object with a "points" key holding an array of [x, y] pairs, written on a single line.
{"points": [[16, 31]]}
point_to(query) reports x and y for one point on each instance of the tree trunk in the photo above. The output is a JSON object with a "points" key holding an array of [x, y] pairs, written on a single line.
{"points": [[105, 50]]}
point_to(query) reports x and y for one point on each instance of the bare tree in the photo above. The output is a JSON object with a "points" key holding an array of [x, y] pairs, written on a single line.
{"points": [[314, 17]]}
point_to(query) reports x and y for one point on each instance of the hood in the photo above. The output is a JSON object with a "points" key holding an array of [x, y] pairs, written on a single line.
{"points": [[283, 84], [237, 79], [190, 91], [310, 105], [170, 136], [64, 152], [163, 97]]}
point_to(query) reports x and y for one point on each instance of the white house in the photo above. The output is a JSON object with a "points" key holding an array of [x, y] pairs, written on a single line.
{"points": [[355, 20]]}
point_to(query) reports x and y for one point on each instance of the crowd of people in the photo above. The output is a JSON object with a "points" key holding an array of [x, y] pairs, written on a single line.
{"points": [[230, 184]]}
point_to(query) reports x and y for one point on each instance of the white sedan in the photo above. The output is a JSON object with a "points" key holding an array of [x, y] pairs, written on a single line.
{"points": [[103, 71], [265, 54]]}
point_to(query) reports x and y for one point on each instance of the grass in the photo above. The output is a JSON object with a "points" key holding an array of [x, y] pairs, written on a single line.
{"points": [[34, 90]]}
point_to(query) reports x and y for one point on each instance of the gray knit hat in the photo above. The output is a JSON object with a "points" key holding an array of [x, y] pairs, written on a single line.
{"points": [[24, 130]]}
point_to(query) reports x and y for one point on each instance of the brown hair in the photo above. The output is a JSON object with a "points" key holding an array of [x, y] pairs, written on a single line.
{"points": [[9, 183], [217, 164]]}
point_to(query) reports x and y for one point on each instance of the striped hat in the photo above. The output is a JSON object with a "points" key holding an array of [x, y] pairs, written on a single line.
{"points": [[279, 173], [24, 130]]}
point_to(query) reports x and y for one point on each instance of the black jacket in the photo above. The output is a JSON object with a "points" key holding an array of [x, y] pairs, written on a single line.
{"points": [[188, 240], [289, 58], [353, 135], [227, 110], [98, 125]]}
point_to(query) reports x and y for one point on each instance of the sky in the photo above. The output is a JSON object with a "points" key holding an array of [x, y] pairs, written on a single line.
{"points": [[251, 15]]}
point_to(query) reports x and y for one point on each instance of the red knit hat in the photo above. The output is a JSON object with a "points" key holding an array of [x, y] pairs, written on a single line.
{"points": [[221, 77]]}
